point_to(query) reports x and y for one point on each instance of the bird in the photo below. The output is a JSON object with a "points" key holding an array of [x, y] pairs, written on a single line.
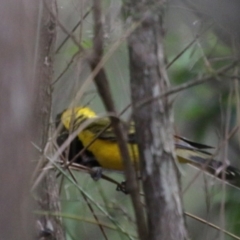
{"points": [[102, 151]]}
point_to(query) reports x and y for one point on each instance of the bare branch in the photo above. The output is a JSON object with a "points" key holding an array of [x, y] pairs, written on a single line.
{"points": [[48, 192], [72, 31], [189, 84], [211, 225]]}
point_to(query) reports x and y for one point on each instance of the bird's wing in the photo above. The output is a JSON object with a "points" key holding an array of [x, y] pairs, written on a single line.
{"points": [[104, 125]]}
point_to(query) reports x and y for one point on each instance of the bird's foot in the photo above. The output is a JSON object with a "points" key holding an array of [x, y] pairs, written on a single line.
{"points": [[121, 187]]}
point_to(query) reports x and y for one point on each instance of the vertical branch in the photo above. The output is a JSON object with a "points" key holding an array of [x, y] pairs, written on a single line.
{"points": [[48, 192], [105, 93], [154, 122]]}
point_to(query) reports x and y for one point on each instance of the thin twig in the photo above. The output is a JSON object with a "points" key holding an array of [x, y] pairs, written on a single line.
{"points": [[77, 166], [211, 225], [78, 218], [51, 160], [187, 85], [72, 31], [70, 34], [66, 68], [224, 162], [234, 130], [182, 52]]}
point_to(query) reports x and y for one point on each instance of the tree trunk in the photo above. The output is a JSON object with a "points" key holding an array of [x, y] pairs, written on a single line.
{"points": [[154, 121]]}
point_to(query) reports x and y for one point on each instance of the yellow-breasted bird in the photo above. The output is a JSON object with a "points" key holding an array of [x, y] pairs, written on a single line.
{"points": [[104, 151]]}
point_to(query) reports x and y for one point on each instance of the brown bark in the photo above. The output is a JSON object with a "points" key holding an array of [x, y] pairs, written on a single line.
{"points": [[48, 189], [154, 121]]}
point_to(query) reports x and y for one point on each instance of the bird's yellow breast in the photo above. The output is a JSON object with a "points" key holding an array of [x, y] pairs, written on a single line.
{"points": [[107, 152]]}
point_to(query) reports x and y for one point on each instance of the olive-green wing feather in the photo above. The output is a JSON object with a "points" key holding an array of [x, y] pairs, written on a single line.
{"points": [[108, 133]]}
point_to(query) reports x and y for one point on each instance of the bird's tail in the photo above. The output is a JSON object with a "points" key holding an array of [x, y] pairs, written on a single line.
{"points": [[204, 160]]}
